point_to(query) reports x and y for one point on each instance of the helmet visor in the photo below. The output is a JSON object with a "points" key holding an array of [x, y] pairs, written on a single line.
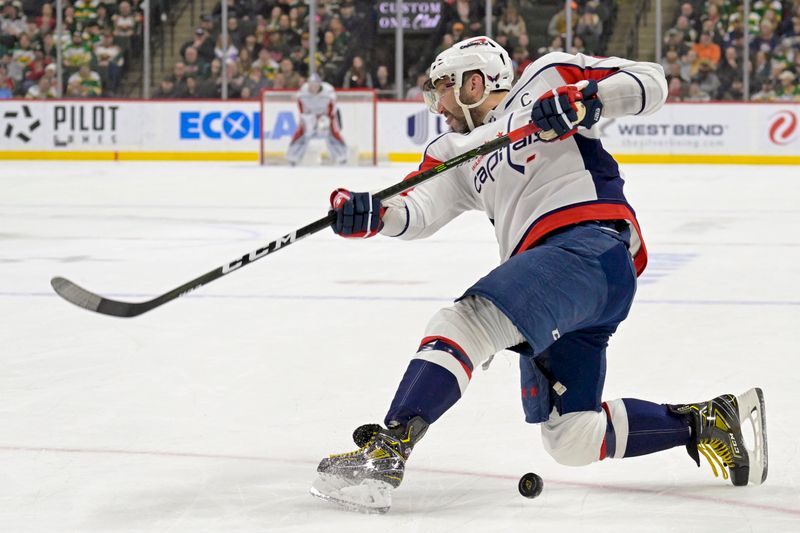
{"points": [[433, 91]]}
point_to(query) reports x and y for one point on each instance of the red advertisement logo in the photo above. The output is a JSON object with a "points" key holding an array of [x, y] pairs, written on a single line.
{"points": [[783, 128]]}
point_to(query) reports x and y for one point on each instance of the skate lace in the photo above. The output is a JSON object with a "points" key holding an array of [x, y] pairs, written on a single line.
{"points": [[353, 453], [717, 454]]}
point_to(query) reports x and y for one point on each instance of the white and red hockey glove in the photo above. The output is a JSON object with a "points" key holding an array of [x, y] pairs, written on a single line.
{"points": [[358, 214], [559, 112]]}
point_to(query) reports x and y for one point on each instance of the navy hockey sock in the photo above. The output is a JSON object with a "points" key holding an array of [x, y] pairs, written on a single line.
{"points": [[426, 390], [637, 427]]}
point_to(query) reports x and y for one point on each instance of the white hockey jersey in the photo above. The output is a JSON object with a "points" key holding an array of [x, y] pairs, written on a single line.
{"points": [[529, 188], [321, 103]]}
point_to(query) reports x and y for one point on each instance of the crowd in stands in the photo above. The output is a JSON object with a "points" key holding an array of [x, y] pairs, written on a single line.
{"points": [[704, 50], [268, 46], [99, 39]]}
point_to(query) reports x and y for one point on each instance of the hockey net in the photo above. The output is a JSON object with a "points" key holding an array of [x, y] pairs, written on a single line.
{"points": [[357, 119]]}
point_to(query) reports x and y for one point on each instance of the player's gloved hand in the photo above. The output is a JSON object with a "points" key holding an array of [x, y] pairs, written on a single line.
{"points": [[559, 112], [358, 214]]}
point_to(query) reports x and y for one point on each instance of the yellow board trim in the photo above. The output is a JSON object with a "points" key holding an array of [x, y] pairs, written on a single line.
{"points": [[394, 157], [660, 159], [128, 156]]}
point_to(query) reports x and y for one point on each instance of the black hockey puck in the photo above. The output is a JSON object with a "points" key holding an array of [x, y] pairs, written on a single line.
{"points": [[531, 485]]}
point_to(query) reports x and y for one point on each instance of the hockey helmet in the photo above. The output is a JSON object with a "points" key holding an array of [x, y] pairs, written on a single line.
{"points": [[480, 54]]}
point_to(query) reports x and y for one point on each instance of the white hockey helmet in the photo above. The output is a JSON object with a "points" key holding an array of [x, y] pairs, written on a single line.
{"points": [[476, 53]]}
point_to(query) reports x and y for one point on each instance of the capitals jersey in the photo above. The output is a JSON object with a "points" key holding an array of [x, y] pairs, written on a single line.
{"points": [[316, 104], [531, 188]]}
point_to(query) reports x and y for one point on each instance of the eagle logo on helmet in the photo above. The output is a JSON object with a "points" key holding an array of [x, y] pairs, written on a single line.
{"points": [[494, 78]]}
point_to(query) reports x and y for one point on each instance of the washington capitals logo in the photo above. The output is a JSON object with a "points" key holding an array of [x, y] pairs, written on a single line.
{"points": [[23, 133], [480, 41], [494, 78]]}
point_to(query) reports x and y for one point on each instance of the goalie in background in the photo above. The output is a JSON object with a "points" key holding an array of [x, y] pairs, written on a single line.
{"points": [[317, 102]]}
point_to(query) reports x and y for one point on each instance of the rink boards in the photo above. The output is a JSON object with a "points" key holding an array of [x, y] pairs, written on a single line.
{"points": [[106, 129]]}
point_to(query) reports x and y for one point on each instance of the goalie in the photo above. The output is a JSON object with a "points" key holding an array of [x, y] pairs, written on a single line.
{"points": [[317, 102]]}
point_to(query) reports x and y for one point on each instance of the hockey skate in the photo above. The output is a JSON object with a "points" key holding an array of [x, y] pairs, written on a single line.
{"points": [[363, 480], [716, 427]]}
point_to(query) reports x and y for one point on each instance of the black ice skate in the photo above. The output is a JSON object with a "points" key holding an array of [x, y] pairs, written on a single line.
{"points": [[363, 480], [716, 427]]}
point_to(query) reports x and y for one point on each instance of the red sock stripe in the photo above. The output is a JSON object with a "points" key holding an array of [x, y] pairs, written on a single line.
{"points": [[604, 405], [445, 340]]}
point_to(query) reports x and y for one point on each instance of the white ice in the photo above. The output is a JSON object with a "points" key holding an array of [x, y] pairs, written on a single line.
{"points": [[211, 412]]}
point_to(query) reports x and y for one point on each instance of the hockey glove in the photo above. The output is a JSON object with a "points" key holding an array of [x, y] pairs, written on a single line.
{"points": [[358, 214], [559, 112]]}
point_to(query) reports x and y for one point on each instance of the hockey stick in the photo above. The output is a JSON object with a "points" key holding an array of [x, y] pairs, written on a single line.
{"points": [[81, 297]]}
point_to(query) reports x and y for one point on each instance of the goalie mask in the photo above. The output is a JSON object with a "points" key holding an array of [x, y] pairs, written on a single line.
{"points": [[480, 54]]}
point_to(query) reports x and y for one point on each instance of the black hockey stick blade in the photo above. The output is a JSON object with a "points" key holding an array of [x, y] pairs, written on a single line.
{"points": [[90, 301]]}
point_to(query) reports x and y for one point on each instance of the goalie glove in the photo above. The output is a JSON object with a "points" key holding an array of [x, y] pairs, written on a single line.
{"points": [[559, 112], [358, 214]]}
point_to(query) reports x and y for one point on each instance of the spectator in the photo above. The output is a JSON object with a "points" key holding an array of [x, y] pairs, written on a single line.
{"points": [[558, 23], [85, 83], [675, 89], [447, 42], [226, 52], [341, 37], [556, 45], [235, 32], [357, 76], [521, 60], [77, 53], [590, 29], [202, 43], [512, 25], [12, 22], [674, 40], [244, 62], [21, 57], [166, 89], [670, 58], [761, 69], [332, 57], [109, 55], [687, 11], [191, 90], [194, 65], [35, 70], [690, 65], [291, 79], [384, 87], [211, 86], [46, 22], [696, 93], [254, 83], [415, 93], [266, 65], [274, 19], [706, 79], [765, 40], [6, 83], [707, 50], [734, 92], [42, 89], [787, 88], [729, 70], [684, 28], [85, 11], [468, 17], [103, 20], [125, 22], [179, 78], [766, 93]]}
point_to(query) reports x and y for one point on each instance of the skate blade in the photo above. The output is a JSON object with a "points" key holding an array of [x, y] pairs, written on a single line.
{"points": [[370, 496], [752, 409]]}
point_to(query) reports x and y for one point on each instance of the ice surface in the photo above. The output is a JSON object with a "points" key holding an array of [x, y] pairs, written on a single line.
{"points": [[211, 412]]}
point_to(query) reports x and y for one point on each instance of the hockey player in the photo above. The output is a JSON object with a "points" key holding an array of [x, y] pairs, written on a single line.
{"points": [[571, 250], [317, 102]]}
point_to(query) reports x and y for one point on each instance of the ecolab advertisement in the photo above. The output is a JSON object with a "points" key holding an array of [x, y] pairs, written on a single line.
{"points": [[206, 130]]}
